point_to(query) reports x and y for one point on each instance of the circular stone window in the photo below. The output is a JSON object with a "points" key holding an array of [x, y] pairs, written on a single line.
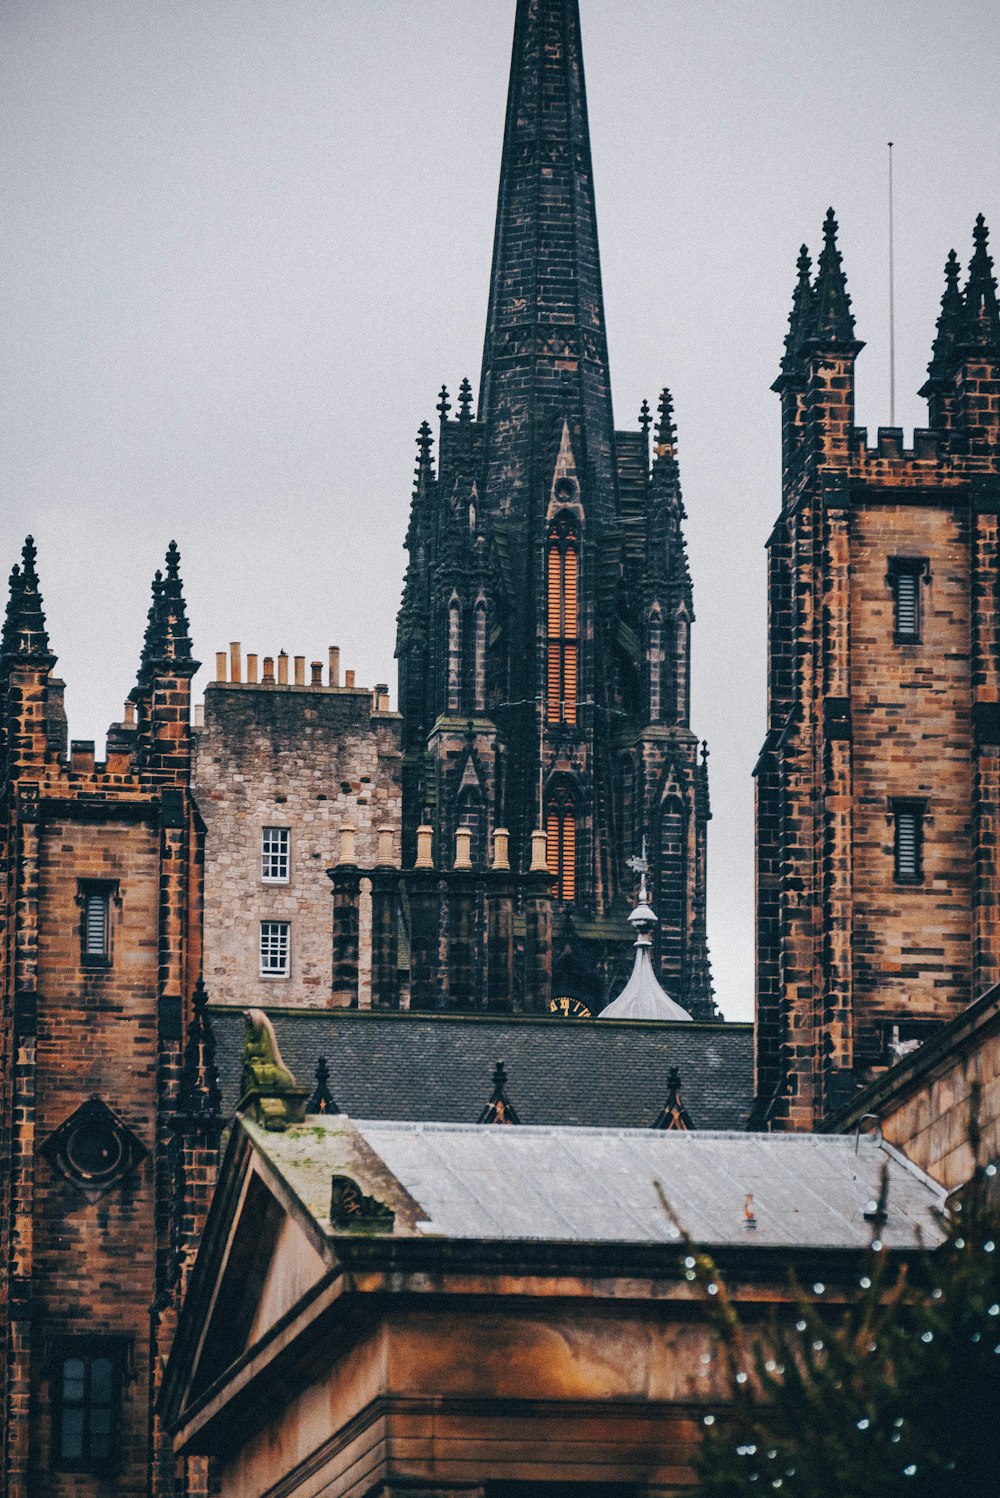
{"points": [[94, 1149], [566, 490]]}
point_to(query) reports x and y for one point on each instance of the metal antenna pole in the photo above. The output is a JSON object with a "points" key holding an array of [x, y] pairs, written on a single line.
{"points": [[892, 307]]}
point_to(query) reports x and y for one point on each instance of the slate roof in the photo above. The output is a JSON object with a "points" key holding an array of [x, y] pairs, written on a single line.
{"points": [[430, 1067], [600, 1185]]}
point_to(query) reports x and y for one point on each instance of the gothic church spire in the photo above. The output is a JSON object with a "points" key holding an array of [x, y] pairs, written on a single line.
{"points": [[545, 357]]}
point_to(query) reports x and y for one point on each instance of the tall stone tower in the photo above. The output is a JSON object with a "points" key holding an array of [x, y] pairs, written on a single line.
{"points": [[109, 1106], [878, 787], [544, 634]]}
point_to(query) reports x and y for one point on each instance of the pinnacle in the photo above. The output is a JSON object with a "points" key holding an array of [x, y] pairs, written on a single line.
{"points": [[980, 321], [465, 401], [199, 1095], [444, 404], [645, 418], [949, 321], [24, 631], [666, 432], [166, 641], [424, 470], [801, 317], [834, 321]]}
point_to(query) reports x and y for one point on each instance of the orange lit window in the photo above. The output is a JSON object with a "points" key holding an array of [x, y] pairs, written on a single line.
{"points": [[560, 827], [563, 569]]}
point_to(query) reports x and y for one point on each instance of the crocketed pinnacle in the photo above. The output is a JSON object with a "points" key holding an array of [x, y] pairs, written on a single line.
{"points": [[199, 1096], [801, 320], [423, 474], [673, 1114], [949, 321], [322, 1098], [444, 404], [465, 401], [167, 643], [666, 431], [833, 320], [24, 633], [980, 322]]}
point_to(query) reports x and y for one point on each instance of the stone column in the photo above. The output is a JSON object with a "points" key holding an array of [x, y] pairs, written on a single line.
{"points": [[346, 904]]}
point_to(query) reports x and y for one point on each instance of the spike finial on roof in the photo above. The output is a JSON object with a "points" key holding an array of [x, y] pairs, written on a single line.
{"points": [[645, 418], [801, 317], [167, 642], [666, 432], [499, 1109], [465, 401], [199, 1096], [980, 322], [643, 997], [673, 1114], [444, 404], [833, 320], [322, 1098], [424, 471]]}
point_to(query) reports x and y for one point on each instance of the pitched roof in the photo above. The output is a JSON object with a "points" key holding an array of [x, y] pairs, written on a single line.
{"points": [[563, 1185], [439, 1067]]}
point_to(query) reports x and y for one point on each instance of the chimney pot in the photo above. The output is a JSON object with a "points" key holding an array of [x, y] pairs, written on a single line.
{"points": [[199, 715], [268, 678], [316, 670], [300, 670], [501, 848], [347, 852], [283, 669], [220, 665], [235, 662], [425, 848], [463, 848], [335, 665], [386, 858], [539, 852], [252, 669], [130, 714]]}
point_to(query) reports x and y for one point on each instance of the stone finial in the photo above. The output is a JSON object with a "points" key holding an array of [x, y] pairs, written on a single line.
{"points": [[166, 649], [539, 852], [24, 632], [425, 847], [348, 851], [465, 402], [322, 1098], [501, 849], [269, 1092], [444, 404], [801, 317], [423, 474], [199, 1097], [666, 431], [980, 322], [463, 848], [645, 418], [673, 1114], [499, 1109]]}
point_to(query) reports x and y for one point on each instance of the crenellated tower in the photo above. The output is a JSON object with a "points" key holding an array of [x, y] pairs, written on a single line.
{"points": [[878, 882], [544, 633]]}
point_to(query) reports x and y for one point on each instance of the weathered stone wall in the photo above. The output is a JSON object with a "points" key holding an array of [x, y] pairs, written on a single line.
{"points": [[312, 759], [911, 714]]}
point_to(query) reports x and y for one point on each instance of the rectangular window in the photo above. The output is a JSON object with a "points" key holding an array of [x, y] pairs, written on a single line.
{"points": [[909, 840], [275, 946], [94, 900], [905, 574], [87, 1380], [274, 845]]}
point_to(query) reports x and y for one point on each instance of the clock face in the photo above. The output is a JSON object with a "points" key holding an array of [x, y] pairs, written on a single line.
{"points": [[570, 1008]]}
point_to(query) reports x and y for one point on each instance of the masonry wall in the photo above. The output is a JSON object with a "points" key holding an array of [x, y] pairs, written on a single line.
{"points": [[311, 759], [912, 737], [94, 1262]]}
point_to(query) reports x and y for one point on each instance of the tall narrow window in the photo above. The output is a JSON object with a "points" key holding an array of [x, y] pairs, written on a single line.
{"points": [[274, 847], [454, 657], [560, 828], [905, 574], [655, 666], [682, 634], [672, 907], [86, 1398], [94, 899], [563, 570], [480, 661], [275, 949], [908, 841]]}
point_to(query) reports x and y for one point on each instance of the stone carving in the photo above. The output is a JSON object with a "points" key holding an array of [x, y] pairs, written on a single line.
{"points": [[351, 1209], [269, 1092]]}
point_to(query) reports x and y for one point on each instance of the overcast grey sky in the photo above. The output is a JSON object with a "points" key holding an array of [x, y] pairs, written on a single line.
{"points": [[243, 242]]}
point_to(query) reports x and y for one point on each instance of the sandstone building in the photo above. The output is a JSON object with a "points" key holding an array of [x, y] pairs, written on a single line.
{"points": [[290, 777], [878, 786], [545, 628], [109, 1106]]}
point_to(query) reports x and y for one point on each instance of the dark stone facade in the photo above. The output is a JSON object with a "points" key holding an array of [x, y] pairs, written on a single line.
{"points": [[544, 632], [878, 786], [109, 1109]]}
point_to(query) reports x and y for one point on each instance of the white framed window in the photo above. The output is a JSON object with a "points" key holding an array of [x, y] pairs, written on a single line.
{"points": [[275, 949], [274, 847]]}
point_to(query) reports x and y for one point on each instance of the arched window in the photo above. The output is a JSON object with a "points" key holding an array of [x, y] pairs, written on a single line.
{"points": [[655, 665], [563, 578], [479, 684], [560, 827], [672, 906], [454, 657]]}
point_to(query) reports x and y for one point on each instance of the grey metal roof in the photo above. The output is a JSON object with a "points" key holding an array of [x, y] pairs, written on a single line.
{"points": [[643, 996], [440, 1067], [599, 1185]]}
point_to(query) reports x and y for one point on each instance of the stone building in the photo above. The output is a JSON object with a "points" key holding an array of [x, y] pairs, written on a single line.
{"points": [[545, 628], [109, 1106], [878, 786], [291, 776]]}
